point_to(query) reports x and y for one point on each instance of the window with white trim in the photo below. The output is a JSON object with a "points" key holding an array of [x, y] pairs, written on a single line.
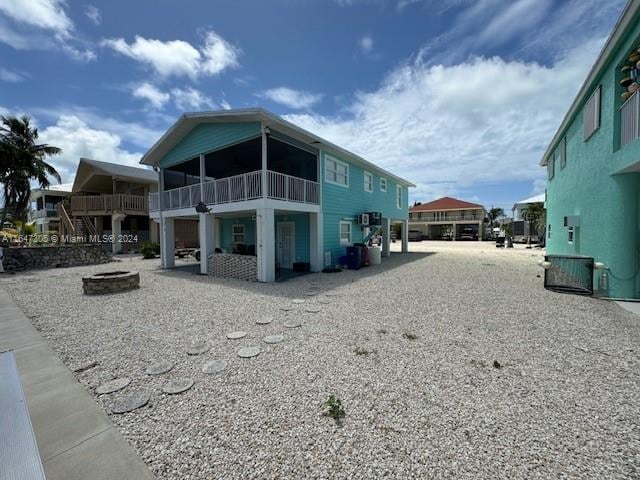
{"points": [[570, 235], [551, 166], [549, 231], [561, 152], [368, 182], [591, 114], [237, 233], [336, 172], [383, 184], [398, 196], [345, 233]]}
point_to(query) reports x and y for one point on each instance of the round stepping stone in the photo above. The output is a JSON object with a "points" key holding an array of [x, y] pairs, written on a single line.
{"points": [[293, 324], [324, 301], [236, 335], [178, 385], [286, 308], [159, 368], [198, 348], [332, 294], [312, 309], [311, 294], [297, 301], [264, 320], [130, 403], [113, 386], [271, 339], [214, 366], [248, 352]]}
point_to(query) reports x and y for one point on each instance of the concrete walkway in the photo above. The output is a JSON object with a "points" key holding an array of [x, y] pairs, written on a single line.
{"points": [[75, 438]]}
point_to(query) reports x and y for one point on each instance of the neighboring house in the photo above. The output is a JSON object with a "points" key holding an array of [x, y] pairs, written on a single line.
{"points": [[44, 214], [593, 164], [273, 193], [522, 230], [448, 219], [111, 199]]}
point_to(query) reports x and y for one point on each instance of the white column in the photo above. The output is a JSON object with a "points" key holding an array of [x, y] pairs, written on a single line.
{"points": [[315, 242], [386, 237], [266, 240], [217, 235], [202, 170], [264, 162], [206, 231], [405, 236], [154, 226], [480, 233], [116, 231], [168, 243], [455, 231]]}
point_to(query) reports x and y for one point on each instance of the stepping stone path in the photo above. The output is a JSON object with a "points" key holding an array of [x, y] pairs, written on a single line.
{"points": [[297, 301], [198, 348], [271, 339], [178, 385], [214, 366], [113, 386], [248, 352], [312, 309], [266, 320], [130, 403], [286, 308], [236, 335], [293, 324], [159, 368]]}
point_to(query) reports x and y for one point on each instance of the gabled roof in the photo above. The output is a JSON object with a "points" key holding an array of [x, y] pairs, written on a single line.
{"points": [[445, 203], [540, 198], [626, 21], [88, 167], [188, 121]]}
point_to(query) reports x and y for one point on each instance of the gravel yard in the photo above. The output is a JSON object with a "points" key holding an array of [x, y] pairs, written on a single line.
{"points": [[451, 362]]}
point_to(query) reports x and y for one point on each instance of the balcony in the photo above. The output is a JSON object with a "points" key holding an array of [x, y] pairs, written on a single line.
{"points": [[629, 120], [452, 218], [239, 188], [44, 213], [108, 204]]}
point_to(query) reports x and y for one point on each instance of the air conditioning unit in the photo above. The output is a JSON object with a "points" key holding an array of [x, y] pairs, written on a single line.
{"points": [[363, 219], [375, 218], [572, 221]]}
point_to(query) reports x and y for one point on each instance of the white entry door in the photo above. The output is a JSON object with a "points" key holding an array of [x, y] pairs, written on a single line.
{"points": [[286, 244]]}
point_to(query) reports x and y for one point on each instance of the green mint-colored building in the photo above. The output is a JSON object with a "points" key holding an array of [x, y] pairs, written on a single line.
{"points": [[593, 165]]}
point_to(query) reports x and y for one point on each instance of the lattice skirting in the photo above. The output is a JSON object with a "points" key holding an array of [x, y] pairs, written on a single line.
{"points": [[229, 265]]}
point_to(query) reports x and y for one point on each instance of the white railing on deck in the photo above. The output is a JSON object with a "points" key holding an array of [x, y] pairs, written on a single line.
{"points": [[238, 188], [629, 120], [108, 203]]}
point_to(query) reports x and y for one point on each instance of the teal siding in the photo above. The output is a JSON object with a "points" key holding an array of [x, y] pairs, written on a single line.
{"points": [[301, 221], [339, 202], [209, 136], [592, 187]]}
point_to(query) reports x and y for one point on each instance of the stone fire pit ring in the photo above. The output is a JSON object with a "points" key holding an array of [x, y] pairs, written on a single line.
{"points": [[110, 282]]}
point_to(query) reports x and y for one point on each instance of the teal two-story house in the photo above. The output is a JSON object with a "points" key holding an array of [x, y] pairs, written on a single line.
{"points": [[268, 195], [593, 165]]}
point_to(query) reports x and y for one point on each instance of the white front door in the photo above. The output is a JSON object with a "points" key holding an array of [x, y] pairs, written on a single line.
{"points": [[286, 244]]}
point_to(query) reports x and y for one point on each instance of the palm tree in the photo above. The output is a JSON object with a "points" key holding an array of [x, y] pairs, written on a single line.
{"points": [[535, 214], [494, 214], [22, 160]]}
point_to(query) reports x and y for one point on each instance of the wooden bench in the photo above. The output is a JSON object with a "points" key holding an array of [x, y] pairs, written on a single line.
{"points": [[19, 456]]}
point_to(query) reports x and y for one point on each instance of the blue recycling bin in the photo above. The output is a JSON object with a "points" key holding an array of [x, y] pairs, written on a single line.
{"points": [[354, 258]]}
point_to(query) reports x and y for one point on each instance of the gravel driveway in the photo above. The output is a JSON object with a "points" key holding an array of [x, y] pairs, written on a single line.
{"points": [[465, 368]]}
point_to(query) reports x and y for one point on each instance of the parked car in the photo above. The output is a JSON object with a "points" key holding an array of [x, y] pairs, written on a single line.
{"points": [[468, 233], [414, 236]]}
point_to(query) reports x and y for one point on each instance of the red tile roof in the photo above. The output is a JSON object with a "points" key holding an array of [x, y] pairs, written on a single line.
{"points": [[444, 203]]}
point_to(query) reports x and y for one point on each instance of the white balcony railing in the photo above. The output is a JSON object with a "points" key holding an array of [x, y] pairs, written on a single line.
{"points": [[43, 212], [452, 218], [238, 188], [629, 120]]}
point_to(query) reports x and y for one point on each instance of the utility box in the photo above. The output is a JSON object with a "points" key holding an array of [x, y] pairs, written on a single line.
{"points": [[572, 221]]}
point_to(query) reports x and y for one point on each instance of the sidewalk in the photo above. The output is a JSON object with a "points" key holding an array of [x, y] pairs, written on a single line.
{"points": [[75, 438]]}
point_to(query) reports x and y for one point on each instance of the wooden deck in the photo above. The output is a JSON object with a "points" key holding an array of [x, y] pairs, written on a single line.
{"points": [[108, 204]]}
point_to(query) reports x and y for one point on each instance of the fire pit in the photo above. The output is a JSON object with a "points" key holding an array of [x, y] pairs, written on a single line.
{"points": [[110, 282]]}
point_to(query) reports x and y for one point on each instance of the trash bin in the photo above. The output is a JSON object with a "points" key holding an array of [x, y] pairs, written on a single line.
{"points": [[375, 255], [354, 258]]}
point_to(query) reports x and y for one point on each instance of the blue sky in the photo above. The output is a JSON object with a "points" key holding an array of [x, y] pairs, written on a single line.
{"points": [[459, 96]]}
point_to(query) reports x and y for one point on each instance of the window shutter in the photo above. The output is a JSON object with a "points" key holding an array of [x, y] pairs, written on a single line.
{"points": [[591, 114]]}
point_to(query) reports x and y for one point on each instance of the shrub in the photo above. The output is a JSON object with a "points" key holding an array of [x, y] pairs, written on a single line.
{"points": [[334, 406], [150, 250]]}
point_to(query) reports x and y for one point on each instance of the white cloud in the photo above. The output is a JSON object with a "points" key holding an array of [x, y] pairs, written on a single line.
{"points": [[366, 44], [291, 98], [40, 25], [516, 18], [446, 128], [93, 14], [77, 139], [11, 76], [225, 105], [190, 99], [45, 14], [177, 57], [150, 93]]}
